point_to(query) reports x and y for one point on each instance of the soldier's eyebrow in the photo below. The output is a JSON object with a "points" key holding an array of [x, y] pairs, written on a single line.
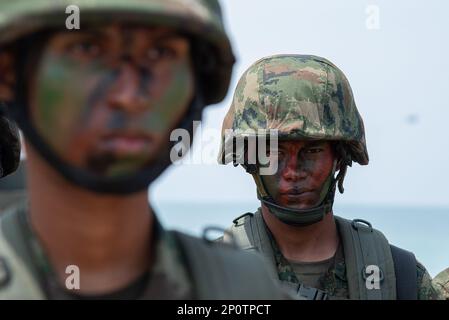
{"points": [[90, 33], [169, 35], [319, 143]]}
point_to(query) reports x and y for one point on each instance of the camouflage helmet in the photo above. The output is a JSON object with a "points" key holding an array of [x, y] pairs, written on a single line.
{"points": [[201, 19], [303, 97], [9, 146]]}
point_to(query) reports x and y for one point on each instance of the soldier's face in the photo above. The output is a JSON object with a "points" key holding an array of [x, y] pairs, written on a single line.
{"points": [[303, 167], [105, 99]]}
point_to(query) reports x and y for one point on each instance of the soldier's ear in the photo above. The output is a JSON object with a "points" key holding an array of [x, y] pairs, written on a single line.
{"points": [[7, 75]]}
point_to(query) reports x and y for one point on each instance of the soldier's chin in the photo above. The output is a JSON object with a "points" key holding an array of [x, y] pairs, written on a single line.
{"points": [[302, 205]]}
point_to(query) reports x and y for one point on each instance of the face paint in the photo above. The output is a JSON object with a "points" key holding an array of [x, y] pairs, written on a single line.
{"points": [[71, 108], [303, 169], [61, 99], [166, 105]]}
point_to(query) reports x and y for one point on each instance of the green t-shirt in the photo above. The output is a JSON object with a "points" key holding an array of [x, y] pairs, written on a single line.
{"points": [[310, 273]]}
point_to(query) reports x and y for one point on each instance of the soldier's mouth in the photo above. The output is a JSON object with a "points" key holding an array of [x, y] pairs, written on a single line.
{"points": [[295, 192], [126, 143], [296, 195]]}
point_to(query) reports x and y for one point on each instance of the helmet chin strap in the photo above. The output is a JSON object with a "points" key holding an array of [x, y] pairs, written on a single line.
{"points": [[299, 217]]}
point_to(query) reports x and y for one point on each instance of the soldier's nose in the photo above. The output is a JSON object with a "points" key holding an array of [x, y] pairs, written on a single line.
{"points": [[291, 171], [129, 89]]}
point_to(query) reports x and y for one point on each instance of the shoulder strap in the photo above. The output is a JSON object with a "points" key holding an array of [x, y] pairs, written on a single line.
{"points": [[222, 272], [18, 282], [249, 233], [406, 275], [364, 246]]}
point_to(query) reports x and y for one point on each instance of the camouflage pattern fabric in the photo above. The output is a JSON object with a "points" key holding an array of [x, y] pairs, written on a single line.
{"points": [[168, 278], [200, 19], [335, 283], [441, 283], [301, 96]]}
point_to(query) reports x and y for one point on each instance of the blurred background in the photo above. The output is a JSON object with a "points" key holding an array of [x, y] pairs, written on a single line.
{"points": [[395, 55]]}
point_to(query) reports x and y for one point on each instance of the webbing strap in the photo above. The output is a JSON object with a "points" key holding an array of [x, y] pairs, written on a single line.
{"points": [[363, 247]]}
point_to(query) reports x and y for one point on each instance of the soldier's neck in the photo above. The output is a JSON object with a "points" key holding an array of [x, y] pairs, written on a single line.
{"points": [[312, 243], [107, 237]]}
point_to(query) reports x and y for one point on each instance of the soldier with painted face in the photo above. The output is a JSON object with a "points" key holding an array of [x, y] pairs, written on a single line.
{"points": [[441, 283], [307, 101], [97, 106]]}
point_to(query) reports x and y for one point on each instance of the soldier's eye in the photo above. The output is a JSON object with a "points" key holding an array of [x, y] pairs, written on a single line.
{"points": [[161, 52], [276, 153], [314, 150], [85, 49]]}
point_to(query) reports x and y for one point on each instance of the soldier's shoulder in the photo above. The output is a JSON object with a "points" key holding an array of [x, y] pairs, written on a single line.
{"points": [[17, 281], [426, 289], [441, 283], [243, 274]]}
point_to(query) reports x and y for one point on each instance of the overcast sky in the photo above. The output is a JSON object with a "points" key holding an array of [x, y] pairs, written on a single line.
{"points": [[398, 65]]}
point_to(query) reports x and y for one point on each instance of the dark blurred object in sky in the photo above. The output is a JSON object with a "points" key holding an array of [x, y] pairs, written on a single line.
{"points": [[412, 119]]}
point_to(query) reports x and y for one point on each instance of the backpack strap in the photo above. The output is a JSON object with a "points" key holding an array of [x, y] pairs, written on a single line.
{"points": [[406, 275], [364, 246], [249, 233], [222, 272], [17, 281]]}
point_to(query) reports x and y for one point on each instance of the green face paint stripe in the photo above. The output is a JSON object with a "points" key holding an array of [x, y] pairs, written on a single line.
{"points": [[53, 85]]}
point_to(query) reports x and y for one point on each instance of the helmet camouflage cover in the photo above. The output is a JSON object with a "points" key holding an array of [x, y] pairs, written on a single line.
{"points": [[198, 18], [303, 97]]}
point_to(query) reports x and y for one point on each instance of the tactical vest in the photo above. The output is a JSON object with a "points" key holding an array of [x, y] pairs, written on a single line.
{"points": [[217, 270], [363, 246]]}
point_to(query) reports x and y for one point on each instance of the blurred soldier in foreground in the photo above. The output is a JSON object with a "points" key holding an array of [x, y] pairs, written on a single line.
{"points": [[97, 106], [309, 102]]}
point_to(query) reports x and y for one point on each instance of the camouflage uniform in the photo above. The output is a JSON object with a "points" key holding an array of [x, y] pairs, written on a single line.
{"points": [[169, 277], [441, 283], [304, 98], [335, 283]]}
